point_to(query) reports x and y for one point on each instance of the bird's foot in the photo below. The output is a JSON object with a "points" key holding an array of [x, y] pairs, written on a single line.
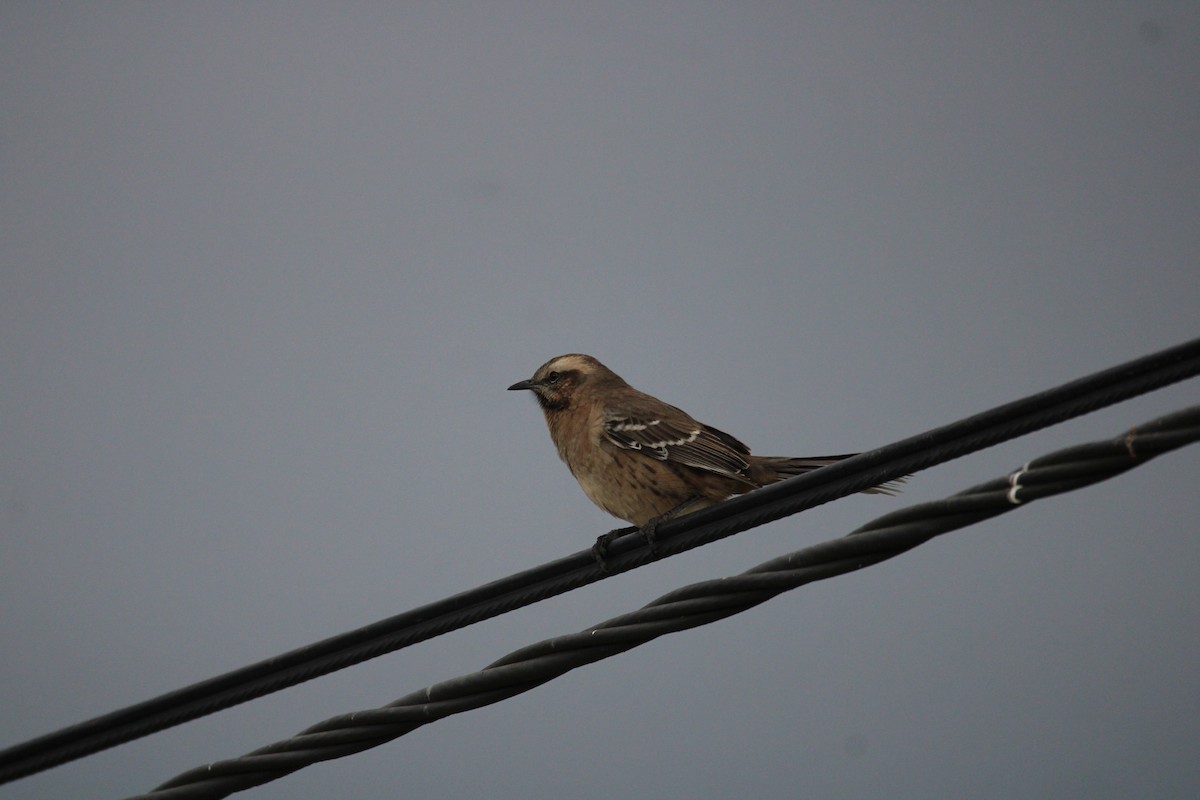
{"points": [[603, 541], [649, 532], [600, 548]]}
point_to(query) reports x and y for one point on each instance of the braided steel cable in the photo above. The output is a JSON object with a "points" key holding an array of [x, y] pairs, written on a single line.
{"points": [[688, 607], [556, 577]]}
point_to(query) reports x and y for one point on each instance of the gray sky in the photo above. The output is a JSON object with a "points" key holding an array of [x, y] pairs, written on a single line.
{"points": [[268, 268]]}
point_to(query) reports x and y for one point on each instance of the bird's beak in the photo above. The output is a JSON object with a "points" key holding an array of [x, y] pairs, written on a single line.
{"points": [[521, 385]]}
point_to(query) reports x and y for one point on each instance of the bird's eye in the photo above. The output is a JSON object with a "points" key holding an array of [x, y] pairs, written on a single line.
{"points": [[553, 377]]}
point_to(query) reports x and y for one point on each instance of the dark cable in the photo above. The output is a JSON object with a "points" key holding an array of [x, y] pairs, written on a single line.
{"points": [[556, 577], [685, 608]]}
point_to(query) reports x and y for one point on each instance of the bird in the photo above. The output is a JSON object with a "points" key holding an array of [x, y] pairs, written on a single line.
{"points": [[641, 459]]}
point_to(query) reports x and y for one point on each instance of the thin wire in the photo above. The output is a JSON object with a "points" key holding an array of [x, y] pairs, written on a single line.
{"points": [[686, 608], [556, 577]]}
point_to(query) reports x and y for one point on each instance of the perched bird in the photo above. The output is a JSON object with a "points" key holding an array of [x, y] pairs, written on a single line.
{"points": [[641, 459]]}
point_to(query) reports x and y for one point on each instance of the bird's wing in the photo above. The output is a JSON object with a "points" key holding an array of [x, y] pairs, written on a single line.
{"points": [[684, 442]]}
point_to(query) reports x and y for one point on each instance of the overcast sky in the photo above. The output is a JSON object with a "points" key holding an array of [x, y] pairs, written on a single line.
{"points": [[267, 268]]}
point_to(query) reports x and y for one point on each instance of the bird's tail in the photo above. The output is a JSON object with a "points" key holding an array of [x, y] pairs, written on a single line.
{"points": [[771, 469]]}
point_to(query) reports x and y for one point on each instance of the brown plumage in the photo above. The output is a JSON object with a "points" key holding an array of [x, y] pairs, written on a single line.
{"points": [[641, 459]]}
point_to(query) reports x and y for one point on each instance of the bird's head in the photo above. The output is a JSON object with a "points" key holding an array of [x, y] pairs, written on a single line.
{"points": [[558, 380]]}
